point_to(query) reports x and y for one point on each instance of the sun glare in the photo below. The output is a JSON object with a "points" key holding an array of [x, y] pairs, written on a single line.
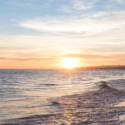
{"points": [[69, 62]]}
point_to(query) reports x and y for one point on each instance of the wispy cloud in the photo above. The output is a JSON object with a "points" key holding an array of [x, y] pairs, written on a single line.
{"points": [[26, 59], [120, 1], [93, 56], [96, 24], [48, 50], [83, 4], [78, 5]]}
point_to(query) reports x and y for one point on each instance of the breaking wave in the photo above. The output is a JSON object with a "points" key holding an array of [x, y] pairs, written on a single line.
{"points": [[90, 108], [105, 96]]}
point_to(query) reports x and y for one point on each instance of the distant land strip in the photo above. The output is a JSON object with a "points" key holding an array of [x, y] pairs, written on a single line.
{"points": [[102, 67]]}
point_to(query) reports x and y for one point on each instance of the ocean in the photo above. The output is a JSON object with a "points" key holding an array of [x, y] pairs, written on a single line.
{"points": [[59, 97]]}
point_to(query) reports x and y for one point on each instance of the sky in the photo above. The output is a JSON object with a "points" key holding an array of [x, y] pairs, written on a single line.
{"points": [[39, 34]]}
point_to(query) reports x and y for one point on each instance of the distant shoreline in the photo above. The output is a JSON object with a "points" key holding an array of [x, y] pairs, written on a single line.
{"points": [[101, 67]]}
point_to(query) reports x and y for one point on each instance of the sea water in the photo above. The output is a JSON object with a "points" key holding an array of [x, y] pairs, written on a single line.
{"points": [[26, 94]]}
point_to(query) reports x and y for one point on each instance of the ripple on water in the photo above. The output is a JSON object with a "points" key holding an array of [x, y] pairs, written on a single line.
{"points": [[95, 107]]}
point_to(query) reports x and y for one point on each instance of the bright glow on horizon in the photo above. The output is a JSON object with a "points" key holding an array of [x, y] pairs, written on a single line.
{"points": [[69, 62]]}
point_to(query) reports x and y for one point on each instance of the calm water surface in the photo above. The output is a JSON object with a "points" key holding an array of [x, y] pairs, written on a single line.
{"points": [[25, 93]]}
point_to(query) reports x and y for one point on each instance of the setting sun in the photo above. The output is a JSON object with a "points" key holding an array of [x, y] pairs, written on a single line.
{"points": [[69, 62]]}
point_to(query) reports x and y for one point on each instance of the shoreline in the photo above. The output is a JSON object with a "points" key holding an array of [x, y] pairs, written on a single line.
{"points": [[91, 108]]}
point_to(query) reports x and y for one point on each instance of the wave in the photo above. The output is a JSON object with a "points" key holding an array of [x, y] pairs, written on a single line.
{"points": [[105, 96], [93, 108]]}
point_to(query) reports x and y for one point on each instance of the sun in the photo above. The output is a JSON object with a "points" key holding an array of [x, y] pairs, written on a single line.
{"points": [[69, 62]]}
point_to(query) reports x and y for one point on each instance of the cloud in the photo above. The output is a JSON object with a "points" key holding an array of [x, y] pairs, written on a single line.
{"points": [[27, 59], [87, 25], [93, 56], [121, 2], [87, 56], [77, 5], [83, 4], [65, 8], [51, 48], [100, 32], [48, 45]]}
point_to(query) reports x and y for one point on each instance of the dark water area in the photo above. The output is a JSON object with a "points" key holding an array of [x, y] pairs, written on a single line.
{"points": [[61, 96]]}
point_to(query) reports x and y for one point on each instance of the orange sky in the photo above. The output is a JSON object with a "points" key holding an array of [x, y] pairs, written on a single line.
{"points": [[32, 53], [57, 63]]}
